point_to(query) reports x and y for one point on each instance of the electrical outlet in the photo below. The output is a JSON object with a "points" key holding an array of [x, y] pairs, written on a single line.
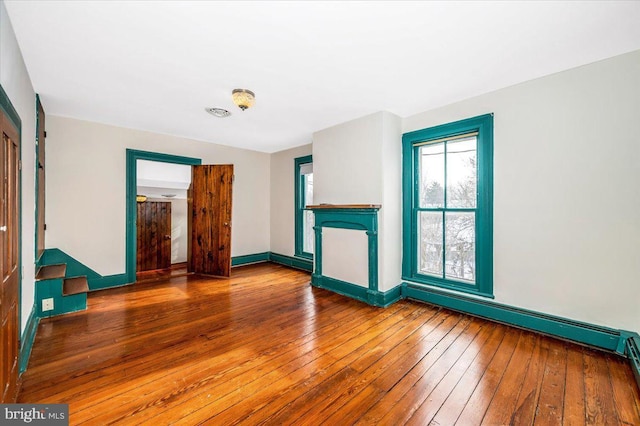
{"points": [[47, 304]]}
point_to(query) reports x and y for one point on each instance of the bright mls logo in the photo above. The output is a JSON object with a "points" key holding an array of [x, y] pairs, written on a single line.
{"points": [[37, 414]]}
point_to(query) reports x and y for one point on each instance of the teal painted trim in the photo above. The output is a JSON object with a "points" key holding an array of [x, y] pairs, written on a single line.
{"points": [[54, 256], [37, 162], [294, 262], [108, 281], [341, 287], [28, 337], [484, 212], [52, 289], [632, 351], [250, 258], [360, 219], [131, 172], [75, 268], [601, 337], [354, 291], [299, 205], [9, 110], [389, 297]]}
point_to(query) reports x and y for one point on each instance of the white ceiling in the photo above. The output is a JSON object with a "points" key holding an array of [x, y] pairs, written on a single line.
{"points": [[156, 179], [155, 65]]}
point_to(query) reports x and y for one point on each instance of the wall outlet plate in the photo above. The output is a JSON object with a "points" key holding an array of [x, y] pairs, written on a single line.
{"points": [[47, 304]]}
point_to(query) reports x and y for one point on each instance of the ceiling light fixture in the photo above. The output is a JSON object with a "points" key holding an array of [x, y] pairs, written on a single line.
{"points": [[243, 98], [218, 112], [141, 198]]}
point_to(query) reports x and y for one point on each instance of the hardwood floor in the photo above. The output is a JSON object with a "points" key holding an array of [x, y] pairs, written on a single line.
{"points": [[264, 347], [176, 270]]}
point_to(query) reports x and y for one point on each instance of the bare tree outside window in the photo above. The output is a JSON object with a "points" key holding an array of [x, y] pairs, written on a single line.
{"points": [[447, 198]]}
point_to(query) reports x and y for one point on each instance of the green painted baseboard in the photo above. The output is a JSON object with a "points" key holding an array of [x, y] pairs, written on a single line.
{"points": [[363, 294], [632, 350], [28, 337], [250, 258], [294, 262], [601, 337]]}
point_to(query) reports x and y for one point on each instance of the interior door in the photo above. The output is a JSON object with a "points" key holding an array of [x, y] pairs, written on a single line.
{"points": [[41, 181], [209, 221], [9, 173], [153, 235]]}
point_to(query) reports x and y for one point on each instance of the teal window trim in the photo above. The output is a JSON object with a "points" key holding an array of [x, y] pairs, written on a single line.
{"points": [[131, 211], [300, 204], [14, 119], [484, 208]]}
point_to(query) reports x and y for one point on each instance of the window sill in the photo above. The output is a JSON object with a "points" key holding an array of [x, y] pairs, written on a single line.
{"points": [[461, 288]]}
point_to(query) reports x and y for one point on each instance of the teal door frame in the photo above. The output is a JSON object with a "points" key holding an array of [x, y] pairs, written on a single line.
{"points": [[132, 171]]}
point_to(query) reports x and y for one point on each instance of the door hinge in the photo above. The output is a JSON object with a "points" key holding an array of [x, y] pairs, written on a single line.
{"points": [[45, 133], [45, 227], [233, 178], [19, 164]]}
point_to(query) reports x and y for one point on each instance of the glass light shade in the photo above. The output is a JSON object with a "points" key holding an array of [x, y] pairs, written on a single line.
{"points": [[243, 98]]}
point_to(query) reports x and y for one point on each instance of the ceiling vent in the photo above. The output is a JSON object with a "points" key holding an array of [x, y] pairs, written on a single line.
{"points": [[218, 112]]}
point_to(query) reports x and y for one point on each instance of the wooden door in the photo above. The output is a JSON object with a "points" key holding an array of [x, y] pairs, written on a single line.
{"points": [[154, 235], [210, 220], [9, 176], [41, 181]]}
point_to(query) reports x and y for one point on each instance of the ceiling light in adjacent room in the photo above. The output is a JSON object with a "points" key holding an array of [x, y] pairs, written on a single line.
{"points": [[218, 112], [141, 198], [243, 98]]}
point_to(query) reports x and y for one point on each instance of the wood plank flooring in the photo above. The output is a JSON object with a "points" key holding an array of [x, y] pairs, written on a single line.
{"points": [[264, 347]]}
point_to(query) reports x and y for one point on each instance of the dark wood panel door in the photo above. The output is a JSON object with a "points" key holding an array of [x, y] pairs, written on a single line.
{"points": [[210, 219], [154, 235], [9, 176], [40, 224]]}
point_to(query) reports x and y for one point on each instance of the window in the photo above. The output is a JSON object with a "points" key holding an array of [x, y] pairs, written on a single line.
{"points": [[304, 236], [448, 205]]}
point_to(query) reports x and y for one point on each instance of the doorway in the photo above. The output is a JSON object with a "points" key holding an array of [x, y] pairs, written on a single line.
{"points": [[9, 249], [161, 219], [208, 217], [131, 205]]}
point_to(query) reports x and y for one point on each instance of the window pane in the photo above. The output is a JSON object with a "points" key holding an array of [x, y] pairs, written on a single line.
{"points": [[431, 159], [460, 253], [307, 231], [308, 189], [461, 173], [430, 243]]}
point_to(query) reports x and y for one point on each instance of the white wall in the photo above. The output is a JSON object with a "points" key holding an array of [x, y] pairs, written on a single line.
{"points": [[347, 165], [179, 231], [86, 189], [566, 188], [359, 162], [390, 216], [283, 199], [16, 82]]}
